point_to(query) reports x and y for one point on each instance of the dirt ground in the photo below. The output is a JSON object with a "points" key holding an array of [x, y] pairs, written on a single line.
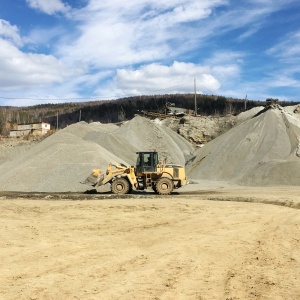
{"points": [[205, 242]]}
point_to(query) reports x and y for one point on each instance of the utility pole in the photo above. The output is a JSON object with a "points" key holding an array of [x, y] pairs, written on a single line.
{"points": [[195, 113]]}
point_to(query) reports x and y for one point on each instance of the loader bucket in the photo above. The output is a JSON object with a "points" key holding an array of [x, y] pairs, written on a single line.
{"points": [[95, 178]]}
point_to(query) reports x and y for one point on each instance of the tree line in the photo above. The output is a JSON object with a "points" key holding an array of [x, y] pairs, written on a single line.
{"points": [[113, 111]]}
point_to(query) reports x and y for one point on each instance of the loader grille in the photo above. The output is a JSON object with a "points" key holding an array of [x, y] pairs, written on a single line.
{"points": [[176, 172]]}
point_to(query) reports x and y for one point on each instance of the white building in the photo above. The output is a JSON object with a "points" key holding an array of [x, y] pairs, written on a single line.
{"points": [[40, 128]]}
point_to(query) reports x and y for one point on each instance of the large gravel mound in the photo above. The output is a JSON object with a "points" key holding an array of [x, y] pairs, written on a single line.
{"points": [[61, 161], [56, 164], [146, 135], [260, 151]]}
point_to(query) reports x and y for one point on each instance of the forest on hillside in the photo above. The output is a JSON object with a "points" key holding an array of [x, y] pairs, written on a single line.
{"points": [[113, 111]]}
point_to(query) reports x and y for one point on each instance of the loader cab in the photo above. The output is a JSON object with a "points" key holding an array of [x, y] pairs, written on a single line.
{"points": [[146, 162]]}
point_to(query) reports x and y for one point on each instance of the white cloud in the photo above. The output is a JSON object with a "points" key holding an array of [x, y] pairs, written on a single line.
{"points": [[49, 7], [183, 12], [10, 33], [45, 36], [288, 49], [287, 55], [136, 41], [283, 80], [20, 69], [222, 57], [226, 66], [114, 34], [160, 79], [249, 32]]}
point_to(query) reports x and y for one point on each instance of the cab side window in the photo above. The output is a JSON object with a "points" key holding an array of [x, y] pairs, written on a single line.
{"points": [[147, 160]]}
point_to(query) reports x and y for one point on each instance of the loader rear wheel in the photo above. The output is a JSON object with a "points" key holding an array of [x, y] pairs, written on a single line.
{"points": [[120, 186], [164, 186]]}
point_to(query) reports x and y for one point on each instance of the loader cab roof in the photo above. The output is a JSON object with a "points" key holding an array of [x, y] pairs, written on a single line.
{"points": [[146, 152]]}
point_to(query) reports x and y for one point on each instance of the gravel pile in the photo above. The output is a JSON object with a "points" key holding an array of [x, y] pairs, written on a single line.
{"points": [[147, 135], [261, 150], [60, 162]]}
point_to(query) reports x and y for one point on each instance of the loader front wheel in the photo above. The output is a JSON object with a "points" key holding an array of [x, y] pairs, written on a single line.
{"points": [[120, 186], [164, 186]]}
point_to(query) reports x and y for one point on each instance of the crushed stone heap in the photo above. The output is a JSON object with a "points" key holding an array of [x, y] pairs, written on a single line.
{"points": [[60, 162], [261, 151]]}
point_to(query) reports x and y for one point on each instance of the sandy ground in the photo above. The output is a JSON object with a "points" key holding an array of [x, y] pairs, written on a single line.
{"points": [[212, 242]]}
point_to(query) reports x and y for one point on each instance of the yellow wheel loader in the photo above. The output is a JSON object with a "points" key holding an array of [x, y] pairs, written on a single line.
{"points": [[148, 172]]}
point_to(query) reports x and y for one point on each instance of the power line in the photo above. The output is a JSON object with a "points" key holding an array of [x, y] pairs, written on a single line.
{"points": [[206, 88]]}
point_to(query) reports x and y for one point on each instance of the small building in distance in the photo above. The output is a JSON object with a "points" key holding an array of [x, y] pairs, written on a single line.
{"points": [[36, 129], [177, 111]]}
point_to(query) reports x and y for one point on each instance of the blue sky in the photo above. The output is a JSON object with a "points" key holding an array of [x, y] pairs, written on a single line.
{"points": [[54, 51]]}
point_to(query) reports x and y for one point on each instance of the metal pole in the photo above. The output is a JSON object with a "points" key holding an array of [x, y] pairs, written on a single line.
{"points": [[195, 97], [57, 121]]}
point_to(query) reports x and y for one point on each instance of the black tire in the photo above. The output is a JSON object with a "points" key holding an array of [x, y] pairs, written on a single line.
{"points": [[154, 187], [120, 186], [164, 186]]}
